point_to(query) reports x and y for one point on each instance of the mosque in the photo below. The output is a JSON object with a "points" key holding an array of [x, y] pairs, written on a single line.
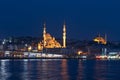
{"points": [[50, 42], [100, 39]]}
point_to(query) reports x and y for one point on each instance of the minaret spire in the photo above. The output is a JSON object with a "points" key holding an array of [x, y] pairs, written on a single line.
{"points": [[64, 35], [99, 37], [44, 35], [105, 38]]}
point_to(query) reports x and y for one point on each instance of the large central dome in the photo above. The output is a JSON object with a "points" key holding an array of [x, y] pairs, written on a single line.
{"points": [[50, 42]]}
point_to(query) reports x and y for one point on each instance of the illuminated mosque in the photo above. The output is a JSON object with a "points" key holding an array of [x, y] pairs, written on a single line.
{"points": [[100, 39], [50, 42]]}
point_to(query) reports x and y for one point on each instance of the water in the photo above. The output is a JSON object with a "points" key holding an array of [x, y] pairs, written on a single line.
{"points": [[59, 69]]}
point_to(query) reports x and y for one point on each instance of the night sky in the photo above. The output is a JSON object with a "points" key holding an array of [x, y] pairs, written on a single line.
{"points": [[84, 18]]}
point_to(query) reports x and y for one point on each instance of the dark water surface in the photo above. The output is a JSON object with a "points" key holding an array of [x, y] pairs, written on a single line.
{"points": [[59, 69]]}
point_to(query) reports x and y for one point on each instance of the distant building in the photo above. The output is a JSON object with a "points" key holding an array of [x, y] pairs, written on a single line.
{"points": [[100, 39]]}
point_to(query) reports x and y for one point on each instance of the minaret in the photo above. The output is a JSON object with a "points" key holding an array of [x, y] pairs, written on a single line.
{"points": [[44, 35], [105, 38], [64, 35], [98, 38]]}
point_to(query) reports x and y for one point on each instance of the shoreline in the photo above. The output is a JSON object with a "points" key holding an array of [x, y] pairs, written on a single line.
{"points": [[40, 58], [3, 58]]}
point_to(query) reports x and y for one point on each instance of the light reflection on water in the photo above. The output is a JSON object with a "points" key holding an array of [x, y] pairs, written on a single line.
{"points": [[59, 69], [4, 74]]}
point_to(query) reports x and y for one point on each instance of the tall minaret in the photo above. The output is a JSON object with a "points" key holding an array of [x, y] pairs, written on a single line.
{"points": [[64, 35], [105, 38], [44, 35]]}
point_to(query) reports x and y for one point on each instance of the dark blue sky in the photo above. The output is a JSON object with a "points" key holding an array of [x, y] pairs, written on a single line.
{"points": [[84, 18]]}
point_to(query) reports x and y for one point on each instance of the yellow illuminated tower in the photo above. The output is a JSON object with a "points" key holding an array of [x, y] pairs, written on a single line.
{"points": [[64, 35], [105, 39], [44, 35]]}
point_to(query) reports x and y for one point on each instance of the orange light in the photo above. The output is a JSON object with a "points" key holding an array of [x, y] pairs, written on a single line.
{"points": [[79, 52], [39, 47], [29, 48]]}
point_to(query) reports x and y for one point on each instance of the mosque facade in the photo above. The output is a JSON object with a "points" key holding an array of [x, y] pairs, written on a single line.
{"points": [[50, 41]]}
